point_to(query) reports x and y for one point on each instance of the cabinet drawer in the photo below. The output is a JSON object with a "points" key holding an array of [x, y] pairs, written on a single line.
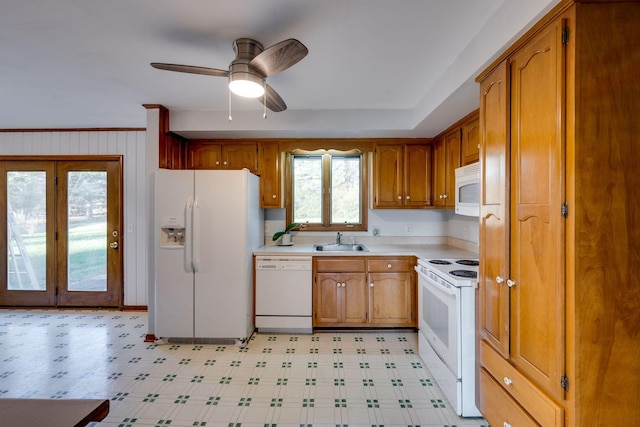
{"points": [[340, 265], [389, 264], [544, 410], [498, 408]]}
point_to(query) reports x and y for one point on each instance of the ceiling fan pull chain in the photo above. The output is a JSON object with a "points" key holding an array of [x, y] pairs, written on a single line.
{"points": [[264, 104], [230, 118]]}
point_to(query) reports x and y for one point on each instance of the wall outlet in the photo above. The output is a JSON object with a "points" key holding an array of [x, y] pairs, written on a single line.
{"points": [[465, 232], [408, 228], [376, 231]]}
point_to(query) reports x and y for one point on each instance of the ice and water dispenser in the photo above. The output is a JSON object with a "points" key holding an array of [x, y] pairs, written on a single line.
{"points": [[172, 233]]}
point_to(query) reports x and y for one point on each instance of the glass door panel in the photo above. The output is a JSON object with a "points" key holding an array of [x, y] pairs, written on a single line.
{"points": [[28, 190], [87, 231]]}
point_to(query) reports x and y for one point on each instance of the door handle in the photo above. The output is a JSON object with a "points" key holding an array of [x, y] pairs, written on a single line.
{"points": [[113, 245]]}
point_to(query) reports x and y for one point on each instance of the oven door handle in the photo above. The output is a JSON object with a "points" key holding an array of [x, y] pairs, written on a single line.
{"points": [[447, 290]]}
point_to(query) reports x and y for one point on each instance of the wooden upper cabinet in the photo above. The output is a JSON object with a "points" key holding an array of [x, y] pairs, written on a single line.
{"points": [[446, 160], [470, 145], [172, 151], [269, 169], [222, 155], [401, 176]]}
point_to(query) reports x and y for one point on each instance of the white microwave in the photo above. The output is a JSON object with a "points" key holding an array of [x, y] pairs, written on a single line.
{"points": [[468, 190]]}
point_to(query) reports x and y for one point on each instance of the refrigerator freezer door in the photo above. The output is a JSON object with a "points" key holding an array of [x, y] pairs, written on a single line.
{"points": [[173, 311]]}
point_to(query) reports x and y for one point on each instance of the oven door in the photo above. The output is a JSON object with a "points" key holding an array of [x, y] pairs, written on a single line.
{"points": [[438, 310]]}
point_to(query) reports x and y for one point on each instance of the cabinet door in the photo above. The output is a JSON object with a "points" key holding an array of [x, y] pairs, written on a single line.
{"points": [[327, 310], [387, 169], [341, 299], [353, 298], [452, 147], [446, 156], [439, 173], [269, 171], [536, 225], [417, 175], [202, 155], [390, 299], [240, 156], [493, 316], [470, 148]]}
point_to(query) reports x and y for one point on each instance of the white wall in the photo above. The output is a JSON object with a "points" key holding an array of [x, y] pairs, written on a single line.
{"points": [[132, 146]]}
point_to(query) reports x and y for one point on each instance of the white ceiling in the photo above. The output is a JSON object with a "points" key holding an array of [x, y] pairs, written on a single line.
{"points": [[375, 67]]}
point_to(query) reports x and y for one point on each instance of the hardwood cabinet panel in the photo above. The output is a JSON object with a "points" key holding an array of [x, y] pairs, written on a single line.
{"points": [[446, 160], [326, 299], [388, 164], [340, 299], [536, 226], [470, 145], [383, 265], [364, 291], [340, 264], [494, 211], [354, 298], [390, 296], [417, 179], [269, 169], [204, 156], [500, 408], [402, 176], [571, 124], [218, 155], [544, 410]]}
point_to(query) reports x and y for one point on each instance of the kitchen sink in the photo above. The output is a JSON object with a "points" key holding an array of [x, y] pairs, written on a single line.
{"points": [[334, 247]]}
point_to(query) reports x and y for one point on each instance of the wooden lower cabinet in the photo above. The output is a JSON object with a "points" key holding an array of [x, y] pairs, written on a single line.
{"points": [[341, 298], [364, 291]]}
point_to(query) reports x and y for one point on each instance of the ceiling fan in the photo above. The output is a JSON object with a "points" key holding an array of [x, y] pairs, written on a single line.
{"points": [[247, 73]]}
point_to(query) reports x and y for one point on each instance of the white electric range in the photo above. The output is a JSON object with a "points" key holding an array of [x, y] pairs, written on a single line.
{"points": [[446, 309]]}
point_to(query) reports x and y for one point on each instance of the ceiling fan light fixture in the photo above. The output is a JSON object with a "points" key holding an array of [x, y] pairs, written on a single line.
{"points": [[247, 85]]}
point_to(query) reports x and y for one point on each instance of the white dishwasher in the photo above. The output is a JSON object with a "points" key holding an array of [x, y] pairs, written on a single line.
{"points": [[283, 294]]}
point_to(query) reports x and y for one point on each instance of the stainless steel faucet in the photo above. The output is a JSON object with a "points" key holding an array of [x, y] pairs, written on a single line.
{"points": [[339, 238]]}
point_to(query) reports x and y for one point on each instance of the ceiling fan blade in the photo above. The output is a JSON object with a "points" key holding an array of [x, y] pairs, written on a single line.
{"points": [[273, 102], [191, 69], [279, 57]]}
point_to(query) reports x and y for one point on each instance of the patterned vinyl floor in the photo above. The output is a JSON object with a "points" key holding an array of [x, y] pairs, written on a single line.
{"points": [[326, 379]]}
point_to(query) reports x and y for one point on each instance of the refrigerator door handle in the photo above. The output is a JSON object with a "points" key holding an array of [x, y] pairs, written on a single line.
{"points": [[196, 235], [188, 236]]}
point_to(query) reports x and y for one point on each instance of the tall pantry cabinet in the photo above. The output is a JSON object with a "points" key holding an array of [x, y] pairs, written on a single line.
{"points": [[559, 294]]}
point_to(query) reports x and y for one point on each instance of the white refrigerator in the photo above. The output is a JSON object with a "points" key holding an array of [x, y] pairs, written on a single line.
{"points": [[207, 224]]}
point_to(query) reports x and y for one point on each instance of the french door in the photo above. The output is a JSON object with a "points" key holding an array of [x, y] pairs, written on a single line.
{"points": [[61, 219]]}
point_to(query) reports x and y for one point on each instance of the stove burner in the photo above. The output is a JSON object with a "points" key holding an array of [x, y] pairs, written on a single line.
{"points": [[439, 262], [464, 273], [468, 262]]}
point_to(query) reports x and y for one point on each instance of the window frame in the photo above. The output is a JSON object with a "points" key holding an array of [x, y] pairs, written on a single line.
{"points": [[325, 225]]}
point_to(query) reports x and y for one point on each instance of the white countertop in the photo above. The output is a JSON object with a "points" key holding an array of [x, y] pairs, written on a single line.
{"points": [[427, 251]]}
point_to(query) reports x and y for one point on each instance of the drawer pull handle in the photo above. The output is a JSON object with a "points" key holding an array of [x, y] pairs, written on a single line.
{"points": [[507, 381], [506, 424], [371, 285], [499, 279], [511, 283], [344, 284], [389, 266]]}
